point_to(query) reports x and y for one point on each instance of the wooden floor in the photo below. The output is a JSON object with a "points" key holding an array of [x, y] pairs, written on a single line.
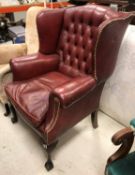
{"points": [[81, 151]]}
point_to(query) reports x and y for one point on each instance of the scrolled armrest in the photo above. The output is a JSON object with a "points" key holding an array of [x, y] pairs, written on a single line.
{"points": [[30, 66], [125, 138], [73, 90]]}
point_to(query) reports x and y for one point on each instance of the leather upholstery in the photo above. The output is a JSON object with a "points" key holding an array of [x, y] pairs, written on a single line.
{"points": [[61, 84], [59, 119], [34, 65], [78, 39], [73, 90], [37, 93], [104, 68], [49, 20]]}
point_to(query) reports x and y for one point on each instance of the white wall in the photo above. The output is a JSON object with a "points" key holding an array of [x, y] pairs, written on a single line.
{"points": [[118, 97], [19, 15]]}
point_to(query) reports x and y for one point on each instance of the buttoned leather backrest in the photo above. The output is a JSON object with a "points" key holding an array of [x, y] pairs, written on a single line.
{"points": [[87, 38], [78, 37]]}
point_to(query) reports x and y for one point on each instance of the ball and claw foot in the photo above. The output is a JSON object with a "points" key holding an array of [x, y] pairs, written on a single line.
{"points": [[49, 148], [49, 165], [13, 120]]}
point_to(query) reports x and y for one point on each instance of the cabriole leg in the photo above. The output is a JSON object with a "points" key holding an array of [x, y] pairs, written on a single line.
{"points": [[7, 109], [49, 148], [94, 119], [14, 118]]}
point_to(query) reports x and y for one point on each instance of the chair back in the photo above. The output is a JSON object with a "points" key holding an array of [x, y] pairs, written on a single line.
{"points": [[87, 38], [78, 37]]}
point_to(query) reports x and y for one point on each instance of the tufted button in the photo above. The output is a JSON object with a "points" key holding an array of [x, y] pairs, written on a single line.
{"points": [[83, 45], [66, 28], [90, 23], [73, 18], [75, 43], [68, 39], [91, 36]]}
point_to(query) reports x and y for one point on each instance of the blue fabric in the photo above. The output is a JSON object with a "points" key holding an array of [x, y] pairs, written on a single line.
{"points": [[20, 39], [125, 166], [132, 122]]}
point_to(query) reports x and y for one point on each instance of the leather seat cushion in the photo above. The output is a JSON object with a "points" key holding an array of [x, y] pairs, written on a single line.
{"points": [[32, 97]]}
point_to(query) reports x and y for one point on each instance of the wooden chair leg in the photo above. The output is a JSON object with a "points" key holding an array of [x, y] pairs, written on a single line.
{"points": [[14, 118], [7, 110], [49, 148], [94, 119]]}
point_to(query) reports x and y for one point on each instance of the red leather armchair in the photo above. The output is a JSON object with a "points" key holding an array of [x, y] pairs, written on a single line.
{"points": [[61, 84]]}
